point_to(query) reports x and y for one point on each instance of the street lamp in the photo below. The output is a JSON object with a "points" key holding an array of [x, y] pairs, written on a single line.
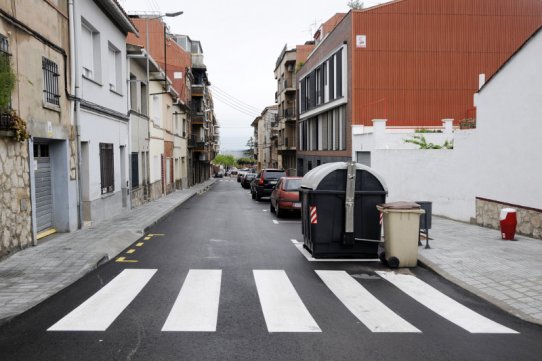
{"points": [[169, 15]]}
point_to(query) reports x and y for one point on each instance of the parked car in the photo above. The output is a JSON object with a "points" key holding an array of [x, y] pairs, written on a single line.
{"points": [[285, 196], [241, 173], [245, 182], [266, 181]]}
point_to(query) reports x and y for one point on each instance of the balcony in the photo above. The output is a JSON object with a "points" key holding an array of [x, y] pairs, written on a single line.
{"points": [[198, 119], [288, 113], [286, 144], [198, 90], [5, 122], [196, 143], [197, 61]]}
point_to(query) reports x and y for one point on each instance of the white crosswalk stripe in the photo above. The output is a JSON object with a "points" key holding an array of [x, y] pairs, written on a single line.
{"points": [[99, 311], [196, 307], [366, 307], [282, 308], [443, 305]]}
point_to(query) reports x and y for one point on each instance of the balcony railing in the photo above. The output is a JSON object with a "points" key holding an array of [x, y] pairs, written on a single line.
{"points": [[197, 143], [5, 121]]}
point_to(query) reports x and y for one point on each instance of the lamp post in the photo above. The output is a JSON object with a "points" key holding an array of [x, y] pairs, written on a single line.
{"points": [[169, 15], [147, 51]]}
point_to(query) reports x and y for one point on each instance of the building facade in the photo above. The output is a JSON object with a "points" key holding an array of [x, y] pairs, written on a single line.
{"points": [[412, 62], [99, 30], [38, 188]]}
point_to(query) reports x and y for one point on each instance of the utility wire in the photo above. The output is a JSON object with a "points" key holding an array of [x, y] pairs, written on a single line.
{"points": [[234, 99], [227, 102]]}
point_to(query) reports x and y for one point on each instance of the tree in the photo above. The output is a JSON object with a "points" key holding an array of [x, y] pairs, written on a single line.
{"points": [[225, 160], [246, 161], [250, 151], [355, 4]]}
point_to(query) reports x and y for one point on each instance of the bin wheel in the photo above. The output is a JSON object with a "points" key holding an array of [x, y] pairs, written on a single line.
{"points": [[393, 262], [271, 208]]}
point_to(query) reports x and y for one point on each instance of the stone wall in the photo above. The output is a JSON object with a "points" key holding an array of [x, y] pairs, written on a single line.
{"points": [[529, 219], [138, 196], [15, 204], [155, 190]]}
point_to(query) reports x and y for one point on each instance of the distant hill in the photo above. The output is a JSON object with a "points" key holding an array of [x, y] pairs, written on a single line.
{"points": [[235, 153]]}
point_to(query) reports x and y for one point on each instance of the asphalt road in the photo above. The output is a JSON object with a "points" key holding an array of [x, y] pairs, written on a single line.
{"points": [[242, 290]]}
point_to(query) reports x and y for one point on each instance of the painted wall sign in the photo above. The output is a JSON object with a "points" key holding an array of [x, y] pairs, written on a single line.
{"points": [[361, 41]]}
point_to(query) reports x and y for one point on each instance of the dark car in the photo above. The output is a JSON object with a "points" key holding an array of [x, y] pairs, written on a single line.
{"points": [[245, 182], [285, 196], [265, 181]]}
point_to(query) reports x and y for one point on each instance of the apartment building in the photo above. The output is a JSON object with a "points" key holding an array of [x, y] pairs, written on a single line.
{"points": [[412, 62], [204, 129]]}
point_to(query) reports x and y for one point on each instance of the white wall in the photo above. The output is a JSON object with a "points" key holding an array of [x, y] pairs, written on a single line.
{"points": [[499, 160], [98, 91], [510, 126]]}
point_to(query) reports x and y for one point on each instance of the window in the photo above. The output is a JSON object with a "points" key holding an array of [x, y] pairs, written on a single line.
{"points": [[4, 45], [115, 69], [144, 99], [50, 82], [339, 76], [5, 62], [90, 51], [134, 104], [135, 169], [107, 169]]}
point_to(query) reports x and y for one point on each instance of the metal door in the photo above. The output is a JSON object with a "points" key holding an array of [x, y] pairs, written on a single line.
{"points": [[44, 197]]}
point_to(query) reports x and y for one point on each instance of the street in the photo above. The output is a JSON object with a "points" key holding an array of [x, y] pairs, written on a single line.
{"points": [[223, 279]]}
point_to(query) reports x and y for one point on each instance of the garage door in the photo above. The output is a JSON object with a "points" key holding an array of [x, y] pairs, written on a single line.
{"points": [[44, 198]]}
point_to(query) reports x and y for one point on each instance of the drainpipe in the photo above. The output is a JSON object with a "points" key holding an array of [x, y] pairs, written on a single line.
{"points": [[76, 89]]}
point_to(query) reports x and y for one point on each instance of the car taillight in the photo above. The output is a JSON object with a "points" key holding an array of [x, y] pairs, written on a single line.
{"points": [[260, 182]]}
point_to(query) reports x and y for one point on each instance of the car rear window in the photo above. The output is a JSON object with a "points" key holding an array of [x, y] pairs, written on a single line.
{"points": [[292, 184], [275, 174]]}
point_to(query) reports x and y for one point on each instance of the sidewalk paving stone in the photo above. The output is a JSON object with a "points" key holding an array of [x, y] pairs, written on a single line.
{"points": [[505, 273]]}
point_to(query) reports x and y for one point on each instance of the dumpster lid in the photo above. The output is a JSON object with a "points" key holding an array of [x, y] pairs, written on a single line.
{"points": [[400, 205], [312, 179]]}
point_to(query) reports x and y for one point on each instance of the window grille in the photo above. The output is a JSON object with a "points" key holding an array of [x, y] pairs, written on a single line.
{"points": [[107, 170], [50, 82]]}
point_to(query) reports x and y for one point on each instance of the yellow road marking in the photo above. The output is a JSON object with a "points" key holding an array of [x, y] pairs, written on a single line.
{"points": [[124, 260], [147, 238], [155, 234], [139, 244], [130, 251]]}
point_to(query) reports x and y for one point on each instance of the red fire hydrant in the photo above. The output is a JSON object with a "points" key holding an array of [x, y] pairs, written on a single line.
{"points": [[509, 222]]}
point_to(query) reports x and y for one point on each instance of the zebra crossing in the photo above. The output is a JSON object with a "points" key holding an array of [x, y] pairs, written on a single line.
{"points": [[196, 308]]}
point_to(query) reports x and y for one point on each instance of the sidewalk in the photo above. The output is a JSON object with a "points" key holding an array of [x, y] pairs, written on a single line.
{"points": [[34, 274], [505, 273]]}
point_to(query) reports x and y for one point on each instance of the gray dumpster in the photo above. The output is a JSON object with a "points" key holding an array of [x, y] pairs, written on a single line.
{"points": [[338, 210]]}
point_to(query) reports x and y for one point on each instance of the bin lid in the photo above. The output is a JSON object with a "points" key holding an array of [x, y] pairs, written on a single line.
{"points": [[312, 179], [400, 205]]}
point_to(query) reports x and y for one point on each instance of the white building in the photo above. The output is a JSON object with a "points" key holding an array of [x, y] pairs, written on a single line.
{"points": [[494, 166], [99, 30]]}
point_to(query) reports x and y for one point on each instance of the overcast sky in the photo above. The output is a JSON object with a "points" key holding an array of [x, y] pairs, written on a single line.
{"points": [[241, 41]]}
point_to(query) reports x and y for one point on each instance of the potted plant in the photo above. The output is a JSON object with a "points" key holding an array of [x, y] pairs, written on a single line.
{"points": [[11, 124]]}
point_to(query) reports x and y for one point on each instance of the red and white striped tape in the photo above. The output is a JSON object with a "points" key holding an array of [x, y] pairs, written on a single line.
{"points": [[313, 215]]}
